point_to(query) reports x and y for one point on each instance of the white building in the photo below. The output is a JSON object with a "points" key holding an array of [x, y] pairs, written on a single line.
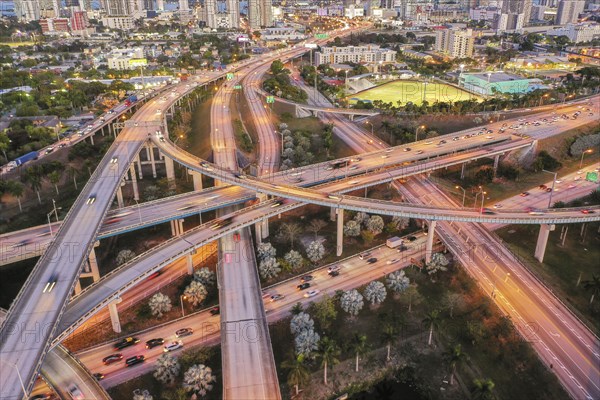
{"points": [[125, 59], [577, 33], [456, 43], [283, 34], [353, 11], [568, 11], [355, 54]]}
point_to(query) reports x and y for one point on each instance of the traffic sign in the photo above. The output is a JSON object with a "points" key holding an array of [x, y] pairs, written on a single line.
{"points": [[270, 99], [229, 76], [237, 87], [321, 36], [591, 176]]}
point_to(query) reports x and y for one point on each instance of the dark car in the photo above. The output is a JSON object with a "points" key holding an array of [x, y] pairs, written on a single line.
{"points": [[215, 310], [99, 376], [372, 260], [130, 341], [42, 396], [154, 342], [220, 223], [411, 238], [112, 358], [306, 278], [131, 361], [184, 332], [487, 211], [303, 286], [334, 273]]}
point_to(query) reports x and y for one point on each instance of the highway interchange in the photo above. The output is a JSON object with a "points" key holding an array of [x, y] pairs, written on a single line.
{"points": [[82, 226]]}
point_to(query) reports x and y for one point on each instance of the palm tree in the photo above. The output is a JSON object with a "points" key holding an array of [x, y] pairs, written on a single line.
{"points": [[454, 356], [73, 173], [298, 373], [328, 352], [483, 389], [316, 225], [593, 285], [54, 178], [389, 334], [290, 231], [359, 346], [16, 189], [35, 182], [198, 379], [297, 308], [433, 320]]}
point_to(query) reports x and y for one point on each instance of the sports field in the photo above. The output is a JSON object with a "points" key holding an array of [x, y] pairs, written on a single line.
{"points": [[413, 91]]}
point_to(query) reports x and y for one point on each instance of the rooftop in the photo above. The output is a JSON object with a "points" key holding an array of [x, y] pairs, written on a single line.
{"points": [[496, 77]]}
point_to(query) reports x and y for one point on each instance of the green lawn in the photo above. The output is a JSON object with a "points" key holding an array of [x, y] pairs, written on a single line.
{"points": [[413, 91]]}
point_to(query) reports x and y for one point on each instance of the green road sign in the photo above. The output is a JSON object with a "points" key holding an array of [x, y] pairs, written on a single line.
{"points": [[270, 99], [591, 176], [321, 36], [237, 87], [229, 76]]}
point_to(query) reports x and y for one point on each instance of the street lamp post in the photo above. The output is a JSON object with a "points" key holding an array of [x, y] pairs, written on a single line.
{"points": [[367, 122], [417, 132], [139, 211], [553, 182], [181, 298], [481, 192], [281, 134], [582, 154], [464, 194], [18, 375]]}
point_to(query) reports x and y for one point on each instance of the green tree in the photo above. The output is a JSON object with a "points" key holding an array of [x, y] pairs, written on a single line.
{"points": [[454, 356], [328, 352], [389, 334], [359, 347], [16, 189], [34, 178], [433, 320], [483, 389], [592, 285], [289, 231], [298, 373], [54, 178], [325, 312]]}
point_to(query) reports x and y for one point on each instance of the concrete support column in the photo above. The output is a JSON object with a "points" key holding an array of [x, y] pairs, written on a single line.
{"points": [[77, 287], [114, 315], [152, 162], [92, 139], [148, 152], [136, 192], [110, 130], [540, 247], [496, 162], [340, 232], [430, 235], [332, 213], [258, 232], [190, 264], [139, 164], [93, 265], [176, 227], [120, 200], [265, 228], [196, 178], [180, 226], [462, 171], [170, 167]]}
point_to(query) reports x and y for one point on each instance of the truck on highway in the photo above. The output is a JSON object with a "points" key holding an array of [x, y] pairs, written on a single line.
{"points": [[33, 155], [394, 242], [131, 99]]}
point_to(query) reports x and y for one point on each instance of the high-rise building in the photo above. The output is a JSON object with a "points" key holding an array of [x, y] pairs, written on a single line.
{"points": [[514, 15], [184, 5], [568, 11], [455, 43], [121, 8], [27, 10], [230, 18], [260, 13]]}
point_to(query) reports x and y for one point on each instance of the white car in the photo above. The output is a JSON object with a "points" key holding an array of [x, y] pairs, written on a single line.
{"points": [[497, 206], [333, 268], [173, 346], [311, 293], [392, 261], [75, 392]]}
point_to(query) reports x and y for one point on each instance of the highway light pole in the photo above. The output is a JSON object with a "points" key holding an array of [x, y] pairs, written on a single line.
{"points": [[464, 194], [281, 134], [553, 182], [582, 154], [139, 211], [417, 132], [18, 374], [181, 298]]}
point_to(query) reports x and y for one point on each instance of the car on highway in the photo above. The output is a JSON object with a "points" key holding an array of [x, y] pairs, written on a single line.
{"points": [[392, 261], [112, 358], [91, 200], [364, 255], [75, 392], [114, 160], [333, 268], [306, 278], [184, 332], [311, 293], [333, 273], [333, 197], [128, 341], [186, 207], [154, 343], [543, 187], [178, 344], [99, 376], [420, 152], [42, 396], [276, 297], [356, 159], [524, 194], [206, 166], [51, 283], [411, 238], [549, 189], [111, 221], [371, 260], [303, 286], [215, 310], [354, 167], [587, 211], [354, 182], [237, 237], [496, 206], [536, 212], [154, 275], [240, 176], [277, 204], [487, 211], [131, 361], [407, 149]]}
